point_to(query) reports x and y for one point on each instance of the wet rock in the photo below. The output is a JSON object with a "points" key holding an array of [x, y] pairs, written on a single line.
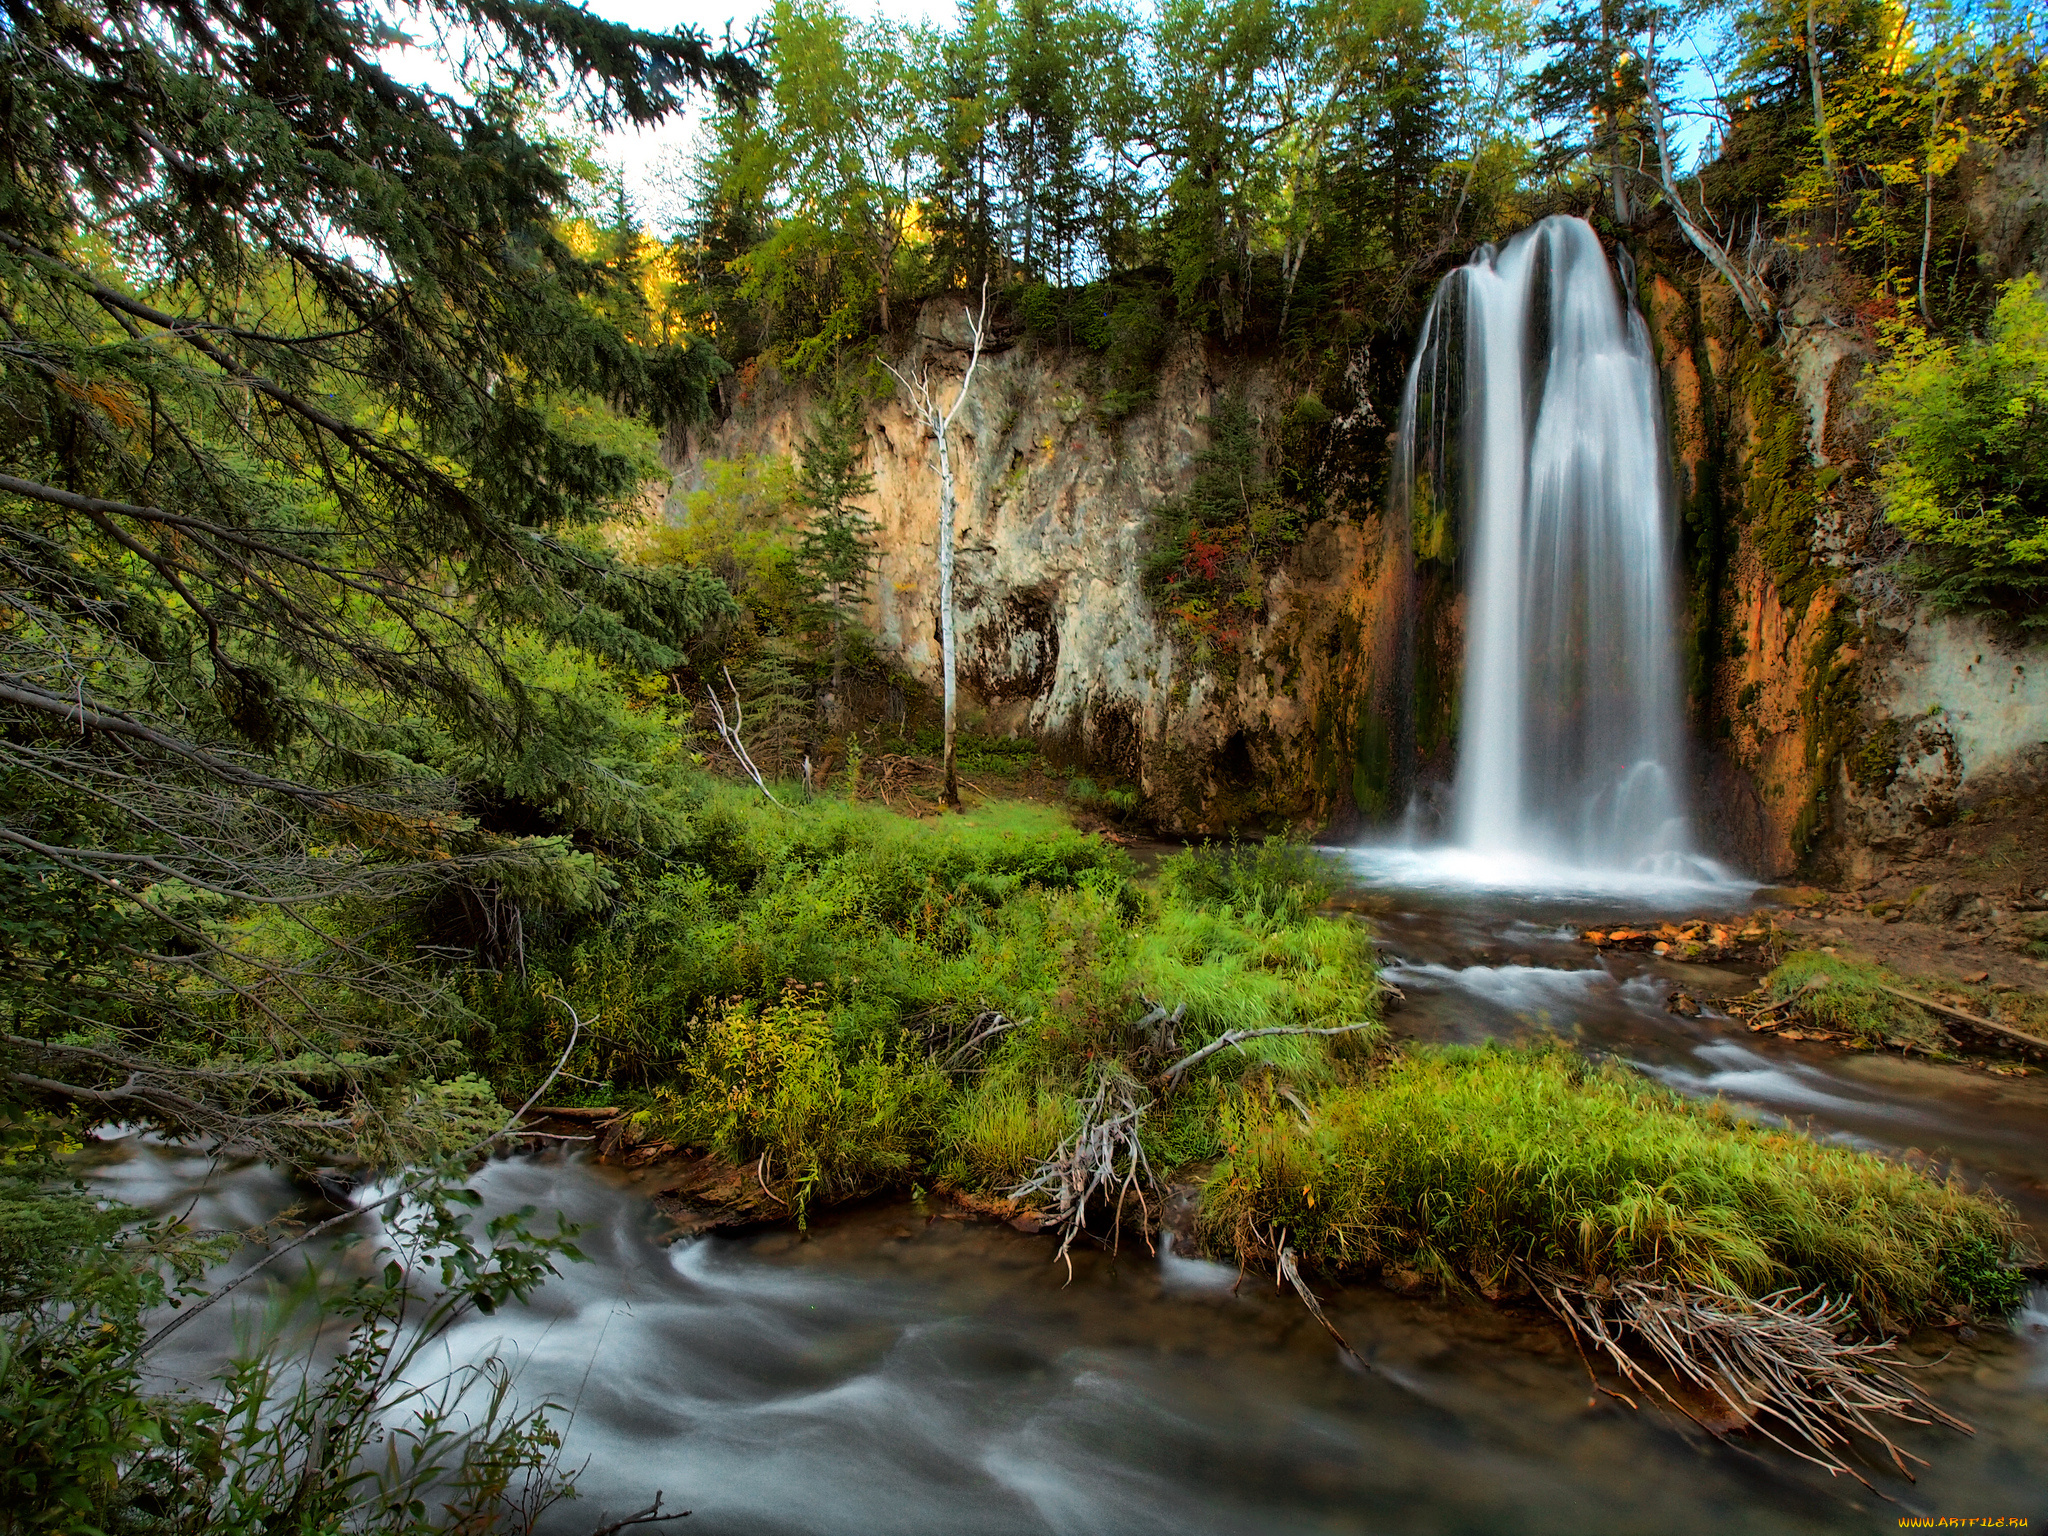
{"points": [[1404, 1282], [1684, 1004], [1503, 1284]]}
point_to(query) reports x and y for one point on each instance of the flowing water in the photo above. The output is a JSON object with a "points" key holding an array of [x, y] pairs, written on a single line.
{"points": [[1531, 424], [904, 1370]]}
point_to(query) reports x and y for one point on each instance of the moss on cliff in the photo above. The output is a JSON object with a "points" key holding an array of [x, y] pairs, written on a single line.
{"points": [[1779, 500]]}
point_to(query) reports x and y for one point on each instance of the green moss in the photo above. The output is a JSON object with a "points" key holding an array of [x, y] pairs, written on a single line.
{"points": [[1829, 697], [1876, 763], [1779, 501], [1372, 764]]}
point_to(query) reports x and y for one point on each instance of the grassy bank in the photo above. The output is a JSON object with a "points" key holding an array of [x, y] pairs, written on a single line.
{"points": [[808, 989], [850, 1001], [1477, 1166], [1873, 1004]]}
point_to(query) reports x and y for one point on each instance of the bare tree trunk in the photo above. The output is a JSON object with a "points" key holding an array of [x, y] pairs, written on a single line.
{"points": [[838, 654], [948, 660], [1820, 111], [938, 420], [1755, 301], [1927, 190]]}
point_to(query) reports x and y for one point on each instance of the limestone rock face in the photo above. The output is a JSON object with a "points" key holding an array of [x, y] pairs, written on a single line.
{"points": [[1834, 723], [1058, 640]]}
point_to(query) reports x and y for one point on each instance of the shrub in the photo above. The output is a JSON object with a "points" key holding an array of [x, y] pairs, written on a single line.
{"points": [[1965, 473], [770, 1083], [1276, 877]]}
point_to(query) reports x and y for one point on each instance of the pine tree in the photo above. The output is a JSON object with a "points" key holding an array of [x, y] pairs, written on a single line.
{"points": [[286, 465], [837, 548]]}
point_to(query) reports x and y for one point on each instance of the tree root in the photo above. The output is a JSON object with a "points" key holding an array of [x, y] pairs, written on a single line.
{"points": [[1779, 1361], [1102, 1157]]}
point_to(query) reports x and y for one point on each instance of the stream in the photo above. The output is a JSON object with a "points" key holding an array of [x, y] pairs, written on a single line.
{"points": [[906, 1369]]}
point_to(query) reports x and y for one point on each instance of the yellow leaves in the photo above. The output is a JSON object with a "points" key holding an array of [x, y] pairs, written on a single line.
{"points": [[111, 401]]}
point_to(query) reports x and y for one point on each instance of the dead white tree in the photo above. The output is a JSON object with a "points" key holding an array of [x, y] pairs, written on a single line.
{"points": [[1747, 282], [729, 733], [937, 420]]}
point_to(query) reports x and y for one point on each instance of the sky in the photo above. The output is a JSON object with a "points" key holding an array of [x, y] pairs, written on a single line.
{"points": [[639, 154]]}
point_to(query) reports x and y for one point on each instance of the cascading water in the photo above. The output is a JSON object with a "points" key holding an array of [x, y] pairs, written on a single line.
{"points": [[1531, 422]]}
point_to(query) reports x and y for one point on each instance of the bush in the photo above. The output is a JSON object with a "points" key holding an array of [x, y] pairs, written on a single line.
{"points": [[772, 1084], [1965, 473], [1275, 877]]}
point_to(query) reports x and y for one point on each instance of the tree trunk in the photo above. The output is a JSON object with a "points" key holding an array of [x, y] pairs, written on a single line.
{"points": [[946, 652], [1820, 112], [1927, 227], [838, 657], [1754, 298]]}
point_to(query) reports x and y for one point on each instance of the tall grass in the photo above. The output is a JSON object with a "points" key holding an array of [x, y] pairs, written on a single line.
{"points": [[1848, 995], [1465, 1163], [783, 987]]}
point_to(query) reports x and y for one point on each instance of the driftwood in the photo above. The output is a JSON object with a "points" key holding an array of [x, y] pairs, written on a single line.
{"points": [[1231, 1037], [1102, 1156], [651, 1515], [1968, 1018], [1780, 1360]]}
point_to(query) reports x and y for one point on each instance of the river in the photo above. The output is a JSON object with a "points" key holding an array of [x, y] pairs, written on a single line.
{"points": [[904, 1368]]}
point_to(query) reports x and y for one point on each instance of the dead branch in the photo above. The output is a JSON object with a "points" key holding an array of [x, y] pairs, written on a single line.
{"points": [[1779, 1360], [1158, 1032], [986, 1027], [1232, 1037], [730, 735], [1289, 1271], [1102, 1156], [651, 1515], [1968, 1018]]}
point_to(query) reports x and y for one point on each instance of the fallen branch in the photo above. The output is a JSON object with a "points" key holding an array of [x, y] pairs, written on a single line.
{"points": [[1287, 1270], [651, 1515], [1782, 1358], [986, 1026], [1968, 1018], [1087, 1163], [1232, 1037]]}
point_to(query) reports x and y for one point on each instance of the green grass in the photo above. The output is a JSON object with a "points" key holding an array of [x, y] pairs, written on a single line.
{"points": [[1847, 995], [789, 989], [1463, 1163]]}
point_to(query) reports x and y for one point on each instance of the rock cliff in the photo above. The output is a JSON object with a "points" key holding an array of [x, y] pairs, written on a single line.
{"points": [[1832, 719], [1059, 641]]}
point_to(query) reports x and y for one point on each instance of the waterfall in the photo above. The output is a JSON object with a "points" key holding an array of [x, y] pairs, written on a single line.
{"points": [[1531, 425]]}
